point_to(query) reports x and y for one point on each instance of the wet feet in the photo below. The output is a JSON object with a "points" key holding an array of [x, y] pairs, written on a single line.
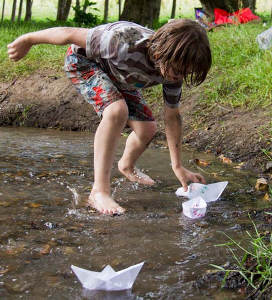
{"points": [[104, 204], [135, 175]]}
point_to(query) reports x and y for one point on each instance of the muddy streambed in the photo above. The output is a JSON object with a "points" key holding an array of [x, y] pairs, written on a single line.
{"points": [[43, 230]]}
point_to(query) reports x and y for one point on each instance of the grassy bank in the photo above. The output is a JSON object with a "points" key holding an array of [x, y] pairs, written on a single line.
{"points": [[252, 267], [241, 74]]}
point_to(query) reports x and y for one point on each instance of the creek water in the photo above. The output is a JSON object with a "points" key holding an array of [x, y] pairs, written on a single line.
{"points": [[46, 175]]}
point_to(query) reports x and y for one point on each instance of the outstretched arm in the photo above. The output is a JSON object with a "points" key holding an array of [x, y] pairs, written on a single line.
{"points": [[173, 130], [55, 36]]}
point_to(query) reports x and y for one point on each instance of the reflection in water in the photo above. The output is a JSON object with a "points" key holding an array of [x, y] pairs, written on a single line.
{"points": [[103, 295], [45, 176]]}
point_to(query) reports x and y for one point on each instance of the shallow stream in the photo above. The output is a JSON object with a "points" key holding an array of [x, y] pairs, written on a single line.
{"points": [[45, 228]]}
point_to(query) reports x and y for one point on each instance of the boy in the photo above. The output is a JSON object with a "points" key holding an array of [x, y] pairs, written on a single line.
{"points": [[108, 65]]}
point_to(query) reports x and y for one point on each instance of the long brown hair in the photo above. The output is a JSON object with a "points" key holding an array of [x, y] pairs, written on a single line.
{"points": [[182, 45]]}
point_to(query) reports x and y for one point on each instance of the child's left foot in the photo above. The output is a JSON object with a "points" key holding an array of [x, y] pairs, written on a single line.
{"points": [[135, 175]]}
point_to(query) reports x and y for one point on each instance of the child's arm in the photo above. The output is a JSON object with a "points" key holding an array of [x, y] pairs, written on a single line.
{"points": [[55, 36], [173, 133]]}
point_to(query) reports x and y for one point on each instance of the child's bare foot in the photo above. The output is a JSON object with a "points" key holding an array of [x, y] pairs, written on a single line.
{"points": [[135, 175], [104, 204]]}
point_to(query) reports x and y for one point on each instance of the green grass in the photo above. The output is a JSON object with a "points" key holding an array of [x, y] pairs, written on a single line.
{"points": [[255, 265], [241, 74], [40, 57]]}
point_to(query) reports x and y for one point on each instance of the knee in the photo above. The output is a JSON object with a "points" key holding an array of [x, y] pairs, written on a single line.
{"points": [[149, 132], [116, 112]]}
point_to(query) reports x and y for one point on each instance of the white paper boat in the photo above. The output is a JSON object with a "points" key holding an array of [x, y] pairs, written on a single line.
{"points": [[209, 192], [108, 279], [194, 208]]}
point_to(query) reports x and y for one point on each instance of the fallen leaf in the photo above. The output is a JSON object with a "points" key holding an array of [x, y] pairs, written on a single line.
{"points": [[261, 185], [45, 249], [239, 166], [225, 160], [52, 281], [201, 162], [266, 197], [34, 205]]}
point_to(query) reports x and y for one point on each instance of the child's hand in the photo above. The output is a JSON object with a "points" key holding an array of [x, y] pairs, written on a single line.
{"points": [[185, 176], [19, 48]]}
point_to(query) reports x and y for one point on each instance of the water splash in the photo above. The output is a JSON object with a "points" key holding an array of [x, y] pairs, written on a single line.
{"points": [[76, 197]]}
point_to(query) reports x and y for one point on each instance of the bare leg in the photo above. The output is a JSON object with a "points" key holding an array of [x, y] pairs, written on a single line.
{"points": [[136, 144], [106, 139]]}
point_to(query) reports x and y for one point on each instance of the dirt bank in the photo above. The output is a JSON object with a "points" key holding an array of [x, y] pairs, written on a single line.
{"points": [[46, 100]]}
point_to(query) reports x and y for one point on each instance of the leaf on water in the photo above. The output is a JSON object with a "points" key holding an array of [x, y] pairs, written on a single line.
{"points": [[115, 262], [266, 197], [34, 205], [44, 174], [239, 166], [45, 249], [201, 162], [261, 185], [225, 160], [53, 281]]}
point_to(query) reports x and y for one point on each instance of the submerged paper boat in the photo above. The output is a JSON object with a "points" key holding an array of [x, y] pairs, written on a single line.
{"points": [[209, 192], [194, 208], [108, 279]]}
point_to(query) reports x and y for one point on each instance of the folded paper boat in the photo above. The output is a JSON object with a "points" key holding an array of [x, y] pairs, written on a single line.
{"points": [[194, 208], [108, 279], [209, 192]]}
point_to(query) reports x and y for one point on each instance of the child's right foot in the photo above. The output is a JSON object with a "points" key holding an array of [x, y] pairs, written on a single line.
{"points": [[104, 204]]}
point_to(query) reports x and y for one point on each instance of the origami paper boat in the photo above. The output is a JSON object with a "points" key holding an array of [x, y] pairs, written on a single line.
{"points": [[194, 208], [209, 192], [108, 279]]}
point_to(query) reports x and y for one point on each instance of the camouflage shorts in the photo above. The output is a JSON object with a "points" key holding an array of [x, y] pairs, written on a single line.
{"points": [[99, 89]]}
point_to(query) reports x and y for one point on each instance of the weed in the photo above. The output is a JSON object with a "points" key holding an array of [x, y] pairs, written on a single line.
{"points": [[267, 154], [255, 264]]}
